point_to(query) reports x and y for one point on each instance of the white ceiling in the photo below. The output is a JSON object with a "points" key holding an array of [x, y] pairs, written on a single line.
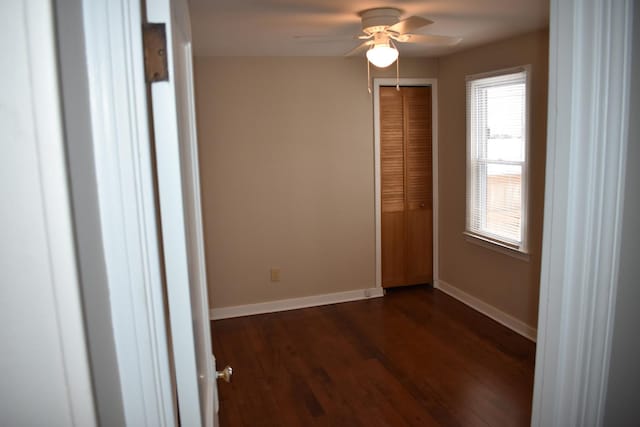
{"points": [[270, 27]]}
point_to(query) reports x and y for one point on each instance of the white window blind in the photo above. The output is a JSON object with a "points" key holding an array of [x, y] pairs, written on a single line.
{"points": [[497, 127]]}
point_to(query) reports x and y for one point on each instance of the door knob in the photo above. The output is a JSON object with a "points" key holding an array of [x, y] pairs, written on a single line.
{"points": [[225, 374]]}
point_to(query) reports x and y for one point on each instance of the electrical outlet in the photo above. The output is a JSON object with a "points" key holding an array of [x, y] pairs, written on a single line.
{"points": [[275, 274]]}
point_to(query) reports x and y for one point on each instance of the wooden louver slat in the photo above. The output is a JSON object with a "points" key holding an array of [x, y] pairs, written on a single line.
{"points": [[392, 150], [418, 146]]}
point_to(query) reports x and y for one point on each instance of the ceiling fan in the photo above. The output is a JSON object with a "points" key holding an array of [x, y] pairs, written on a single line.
{"points": [[381, 27]]}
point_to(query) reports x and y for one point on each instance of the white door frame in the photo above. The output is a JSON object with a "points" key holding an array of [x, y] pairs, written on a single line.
{"points": [[433, 83], [124, 177], [590, 60]]}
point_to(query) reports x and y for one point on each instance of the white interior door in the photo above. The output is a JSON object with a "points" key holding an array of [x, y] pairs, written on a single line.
{"points": [[180, 209]]}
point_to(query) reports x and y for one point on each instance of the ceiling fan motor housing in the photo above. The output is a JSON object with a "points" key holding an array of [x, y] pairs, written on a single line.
{"points": [[377, 20]]}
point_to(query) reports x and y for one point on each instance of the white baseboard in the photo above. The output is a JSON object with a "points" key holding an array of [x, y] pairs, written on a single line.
{"points": [[488, 310], [293, 303]]}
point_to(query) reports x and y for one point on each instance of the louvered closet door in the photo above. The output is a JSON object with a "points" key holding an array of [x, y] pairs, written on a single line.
{"points": [[418, 170], [406, 181], [392, 187]]}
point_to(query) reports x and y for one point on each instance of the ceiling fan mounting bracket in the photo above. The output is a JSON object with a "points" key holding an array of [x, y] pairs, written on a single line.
{"points": [[379, 19]]}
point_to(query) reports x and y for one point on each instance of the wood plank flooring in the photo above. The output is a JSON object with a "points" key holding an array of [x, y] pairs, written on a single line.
{"points": [[416, 357]]}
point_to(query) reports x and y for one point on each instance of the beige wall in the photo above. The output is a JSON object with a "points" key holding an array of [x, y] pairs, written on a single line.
{"points": [[506, 283], [286, 160]]}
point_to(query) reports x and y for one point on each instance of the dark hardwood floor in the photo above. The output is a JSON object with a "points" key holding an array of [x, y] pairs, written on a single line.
{"points": [[416, 357]]}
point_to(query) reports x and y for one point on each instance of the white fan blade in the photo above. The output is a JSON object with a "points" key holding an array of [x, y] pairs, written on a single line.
{"points": [[428, 39], [360, 48], [410, 24]]}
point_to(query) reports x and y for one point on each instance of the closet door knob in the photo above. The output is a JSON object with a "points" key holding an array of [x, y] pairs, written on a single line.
{"points": [[225, 374]]}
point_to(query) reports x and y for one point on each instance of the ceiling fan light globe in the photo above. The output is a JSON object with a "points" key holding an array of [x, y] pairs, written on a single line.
{"points": [[382, 55]]}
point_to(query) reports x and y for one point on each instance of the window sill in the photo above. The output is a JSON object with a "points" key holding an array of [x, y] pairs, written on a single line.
{"points": [[495, 246]]}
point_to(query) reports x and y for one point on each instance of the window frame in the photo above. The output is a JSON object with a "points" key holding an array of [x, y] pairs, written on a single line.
{"points": [[489, 240]]}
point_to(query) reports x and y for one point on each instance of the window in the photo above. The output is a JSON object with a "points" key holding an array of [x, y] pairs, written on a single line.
{"points": [[497, 140]]}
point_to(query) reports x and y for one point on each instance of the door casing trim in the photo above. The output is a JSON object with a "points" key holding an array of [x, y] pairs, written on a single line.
{"points": [[125, 191], [589, 86]]}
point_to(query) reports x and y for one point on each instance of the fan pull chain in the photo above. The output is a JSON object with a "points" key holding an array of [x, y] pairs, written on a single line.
{"points": [[369, 76], [397, 71]]}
